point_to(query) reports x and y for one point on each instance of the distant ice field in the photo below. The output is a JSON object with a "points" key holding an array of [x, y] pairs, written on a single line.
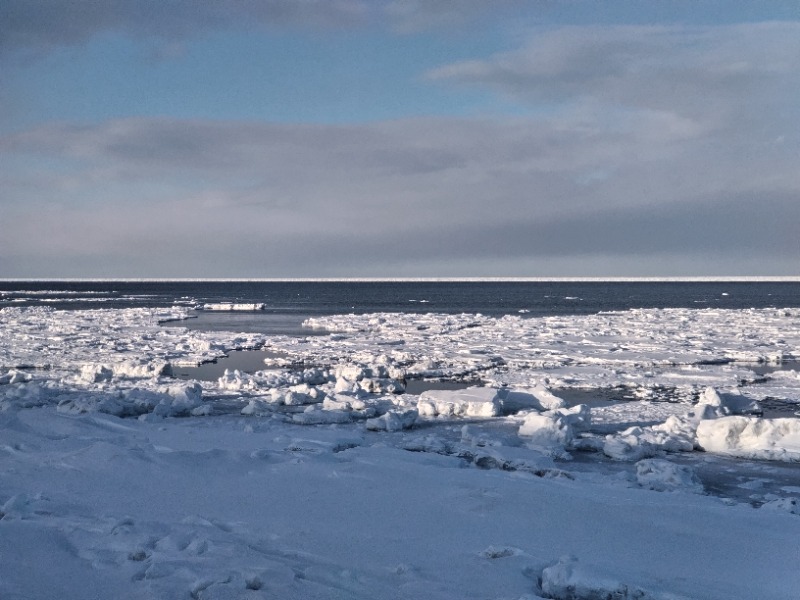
{"points": [[537, 298], [289, 303]]}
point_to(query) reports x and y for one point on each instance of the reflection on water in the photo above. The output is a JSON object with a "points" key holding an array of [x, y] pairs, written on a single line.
{"points": [[767, 368], [247, 361], [252, 322], [250, 361]]}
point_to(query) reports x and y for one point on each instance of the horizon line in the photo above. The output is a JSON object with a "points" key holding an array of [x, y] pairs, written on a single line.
{"points": [[600, 279]]}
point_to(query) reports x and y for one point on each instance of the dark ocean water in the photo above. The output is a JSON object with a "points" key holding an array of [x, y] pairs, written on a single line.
{"points": [[288, 303]]}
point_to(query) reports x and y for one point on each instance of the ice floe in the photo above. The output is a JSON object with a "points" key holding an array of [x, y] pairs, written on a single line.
{"points": [[750, 437], [662, 475], [234, 306], [472, 402]]}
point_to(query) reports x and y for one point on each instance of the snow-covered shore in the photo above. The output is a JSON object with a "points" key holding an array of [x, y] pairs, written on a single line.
{"points": [[572, 468]]}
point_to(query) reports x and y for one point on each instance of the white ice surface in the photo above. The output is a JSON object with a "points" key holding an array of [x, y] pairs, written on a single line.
{"points": [[234, 306], [748, 437], [472, 402], [314, 484]]}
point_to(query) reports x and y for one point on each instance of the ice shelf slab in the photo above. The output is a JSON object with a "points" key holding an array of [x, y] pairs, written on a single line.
{"points": [[751, 437], [234, 306], [472, 402]]}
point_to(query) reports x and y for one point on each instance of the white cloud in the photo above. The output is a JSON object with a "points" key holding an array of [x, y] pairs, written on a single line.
{"points": [[695, 72]]}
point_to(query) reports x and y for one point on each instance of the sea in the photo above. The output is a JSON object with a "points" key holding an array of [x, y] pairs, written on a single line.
{"points": [[289, 302]]}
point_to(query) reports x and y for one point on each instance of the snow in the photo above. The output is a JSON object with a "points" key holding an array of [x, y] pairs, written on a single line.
{"points": [[749, 437], [472, 402], [393, 420], [676, 434], [234, 306], [663, 475], [568, 579], [575, 462], [728, 404]]}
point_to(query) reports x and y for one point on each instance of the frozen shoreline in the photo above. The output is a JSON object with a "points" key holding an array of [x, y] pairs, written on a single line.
{"points": [[321, 478]]}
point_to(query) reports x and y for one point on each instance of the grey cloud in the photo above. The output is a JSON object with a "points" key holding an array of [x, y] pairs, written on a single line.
{"points": [[762, 225], [408, 16], [413, 196], [42, 24], [429, 162], [733, 234], [734, 225]]}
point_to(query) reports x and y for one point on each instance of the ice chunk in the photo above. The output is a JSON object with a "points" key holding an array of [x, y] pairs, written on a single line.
{"points": [[234, 306], [303, 394], [537, 397], [345, 385], [790, 505], [554, 431], [14, 376], [343, 402], [676, 434], [142, 370], [256, 407], [472, 402], [315, 415], [751, 437], [96, 373], [180, 400], [493, 552], [568, 580], [393, 420], [579, 417], [314, 376], [663, 476], [382, 369], [546, 430], [236, 380], [727, 403], [375, 378], [631, 444], [379, 385]]}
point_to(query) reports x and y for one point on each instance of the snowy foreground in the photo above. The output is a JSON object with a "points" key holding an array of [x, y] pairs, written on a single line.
{"points": [[648, 454]]}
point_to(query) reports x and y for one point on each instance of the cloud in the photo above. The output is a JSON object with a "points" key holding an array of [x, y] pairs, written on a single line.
{"points": [[644, 151], [695, 72], [409, 16], [39, 25], [428, 196]]}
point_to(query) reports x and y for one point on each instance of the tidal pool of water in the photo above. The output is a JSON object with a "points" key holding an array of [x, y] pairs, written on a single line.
{"points": [[247, 361]]}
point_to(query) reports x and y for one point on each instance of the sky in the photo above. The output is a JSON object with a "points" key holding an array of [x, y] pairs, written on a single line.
{"points": [[399, 138]]}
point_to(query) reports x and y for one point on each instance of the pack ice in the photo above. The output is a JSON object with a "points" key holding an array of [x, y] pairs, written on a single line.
{"points": [[648, 454]]}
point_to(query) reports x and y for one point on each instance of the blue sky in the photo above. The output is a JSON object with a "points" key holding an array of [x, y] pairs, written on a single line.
{"points": [[344, 138]]}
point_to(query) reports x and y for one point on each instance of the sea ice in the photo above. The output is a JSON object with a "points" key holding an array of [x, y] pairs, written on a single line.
{"points": [[393, 420], [570, 580], [234, 306], [663, 475], [472, 402], [751, 437], [728, 403], [325, 481], [537, 397]]}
